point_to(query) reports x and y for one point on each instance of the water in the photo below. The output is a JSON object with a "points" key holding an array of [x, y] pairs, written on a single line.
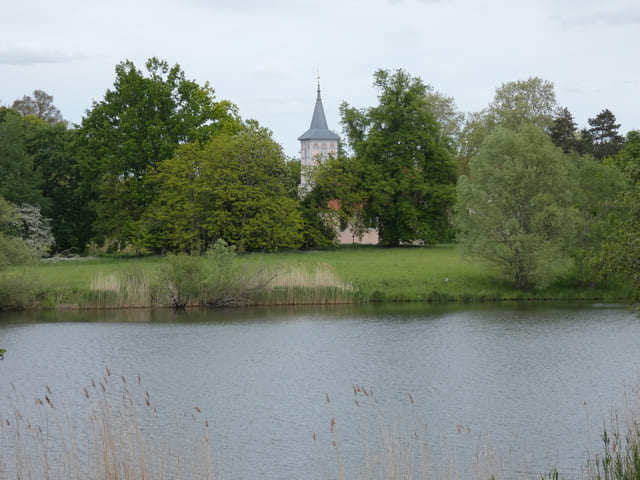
{"points": [[531, 384]]}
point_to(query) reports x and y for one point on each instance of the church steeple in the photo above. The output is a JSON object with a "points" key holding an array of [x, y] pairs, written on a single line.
{"points": [[318, 141], [318, 130]]}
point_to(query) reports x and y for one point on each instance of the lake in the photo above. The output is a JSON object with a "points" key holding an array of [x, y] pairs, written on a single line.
{"points": [[513, 388]]}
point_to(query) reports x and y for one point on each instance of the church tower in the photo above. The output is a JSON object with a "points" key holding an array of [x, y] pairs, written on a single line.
{"points": [[318, 141]]}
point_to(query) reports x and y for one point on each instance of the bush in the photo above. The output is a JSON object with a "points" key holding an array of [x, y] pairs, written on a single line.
{"points": [[18, 290]]}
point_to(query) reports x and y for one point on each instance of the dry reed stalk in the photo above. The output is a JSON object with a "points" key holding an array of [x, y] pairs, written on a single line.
{"points": [[129, 289], [121, 440]]}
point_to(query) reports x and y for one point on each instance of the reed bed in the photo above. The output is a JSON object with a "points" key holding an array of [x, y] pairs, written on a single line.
{"points": [[317, 284], [120, 439], [129, 289]]}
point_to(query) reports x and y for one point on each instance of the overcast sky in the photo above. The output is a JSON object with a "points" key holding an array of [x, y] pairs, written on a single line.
{"points": [[264, 56]]}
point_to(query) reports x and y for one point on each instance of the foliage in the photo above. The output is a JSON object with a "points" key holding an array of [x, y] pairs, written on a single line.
{"points": [[515, 104], [514, 209], [332, 200], [19, 289], [13, 249], [20, 180], [597, 186], [232, 188], [214, 280], [564, 131], [407, 172], [620, 252], [35, 229], [628, 159], [40, 106], [139, 124], [602, 138], [55, 154]]}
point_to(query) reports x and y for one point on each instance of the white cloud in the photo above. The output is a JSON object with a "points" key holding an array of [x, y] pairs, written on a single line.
{"points": [[30, 54]]}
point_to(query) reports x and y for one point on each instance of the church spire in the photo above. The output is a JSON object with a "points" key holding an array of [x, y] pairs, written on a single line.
{"points": [[318, 130]]}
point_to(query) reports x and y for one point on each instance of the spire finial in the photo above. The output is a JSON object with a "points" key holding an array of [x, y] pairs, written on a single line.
{"points": [[318, 83]]}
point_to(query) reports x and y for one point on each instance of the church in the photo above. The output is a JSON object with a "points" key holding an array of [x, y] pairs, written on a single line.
{"points": [[317, 143]]}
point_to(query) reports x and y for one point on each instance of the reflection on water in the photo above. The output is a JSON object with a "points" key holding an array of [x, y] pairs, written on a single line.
{"points": [[536, 382]]}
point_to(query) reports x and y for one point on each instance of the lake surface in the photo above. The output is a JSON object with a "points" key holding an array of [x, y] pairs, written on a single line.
{"points": [[516, 388]]}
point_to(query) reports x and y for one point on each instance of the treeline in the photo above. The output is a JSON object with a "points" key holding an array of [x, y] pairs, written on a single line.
{"points": [[159, 164]]}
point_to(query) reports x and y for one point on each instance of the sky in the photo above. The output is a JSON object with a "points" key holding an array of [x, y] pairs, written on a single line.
{"points": [[265, 56]]}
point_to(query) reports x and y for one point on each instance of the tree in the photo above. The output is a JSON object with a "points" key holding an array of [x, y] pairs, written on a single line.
{"points": [[333, 200], [564, 131], [232, 188], [408, 175], [20, 180], [55, 154], [41, 106], [13, 249], [514, 209], [620, 252], [628, 158], [602, 138], [139, 124], [515, 104]]}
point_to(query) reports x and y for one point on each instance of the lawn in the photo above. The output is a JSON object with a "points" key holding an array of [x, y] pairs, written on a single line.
{"points": [[416, 274]]}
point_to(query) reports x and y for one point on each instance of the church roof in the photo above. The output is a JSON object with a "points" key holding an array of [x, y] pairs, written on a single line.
{"points": [[318, 129]]}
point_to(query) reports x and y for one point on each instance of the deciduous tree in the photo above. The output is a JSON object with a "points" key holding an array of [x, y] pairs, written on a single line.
{"points": [[518, 103], [40, 105], [515, 209], [139, 124], [232, 188], [408, 175], [20, 180]]}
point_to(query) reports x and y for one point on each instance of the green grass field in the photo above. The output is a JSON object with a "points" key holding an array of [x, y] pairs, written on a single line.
{"points": [[415, 274]]}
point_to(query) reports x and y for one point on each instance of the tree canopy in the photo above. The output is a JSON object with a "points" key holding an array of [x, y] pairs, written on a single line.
{"points": [[409, 177], [232, 188], [40, 106], [515, 208], [515, 104], [139, 124]]}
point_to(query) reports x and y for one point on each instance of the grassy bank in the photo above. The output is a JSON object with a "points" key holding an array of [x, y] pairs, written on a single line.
{"points": [[353, 274]]}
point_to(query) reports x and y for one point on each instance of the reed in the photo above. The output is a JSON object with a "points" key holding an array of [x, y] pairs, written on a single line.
{"points": [[619, 458], [131, 288], [120, 439], [309, 284]]}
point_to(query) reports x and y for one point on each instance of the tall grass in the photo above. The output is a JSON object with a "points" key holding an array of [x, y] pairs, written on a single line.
{"points": [[620, 455], [120, 439], [129, 289], [309, 284]]}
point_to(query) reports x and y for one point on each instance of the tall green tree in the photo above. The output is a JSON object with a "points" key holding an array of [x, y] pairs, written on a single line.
{"points": [[232, 188], [515, 210], [332, 200], [139, 124], [20, 179], [54, 152], [620, 253], [408, 175], [564, 131], [515, 104], [602, 139]]}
